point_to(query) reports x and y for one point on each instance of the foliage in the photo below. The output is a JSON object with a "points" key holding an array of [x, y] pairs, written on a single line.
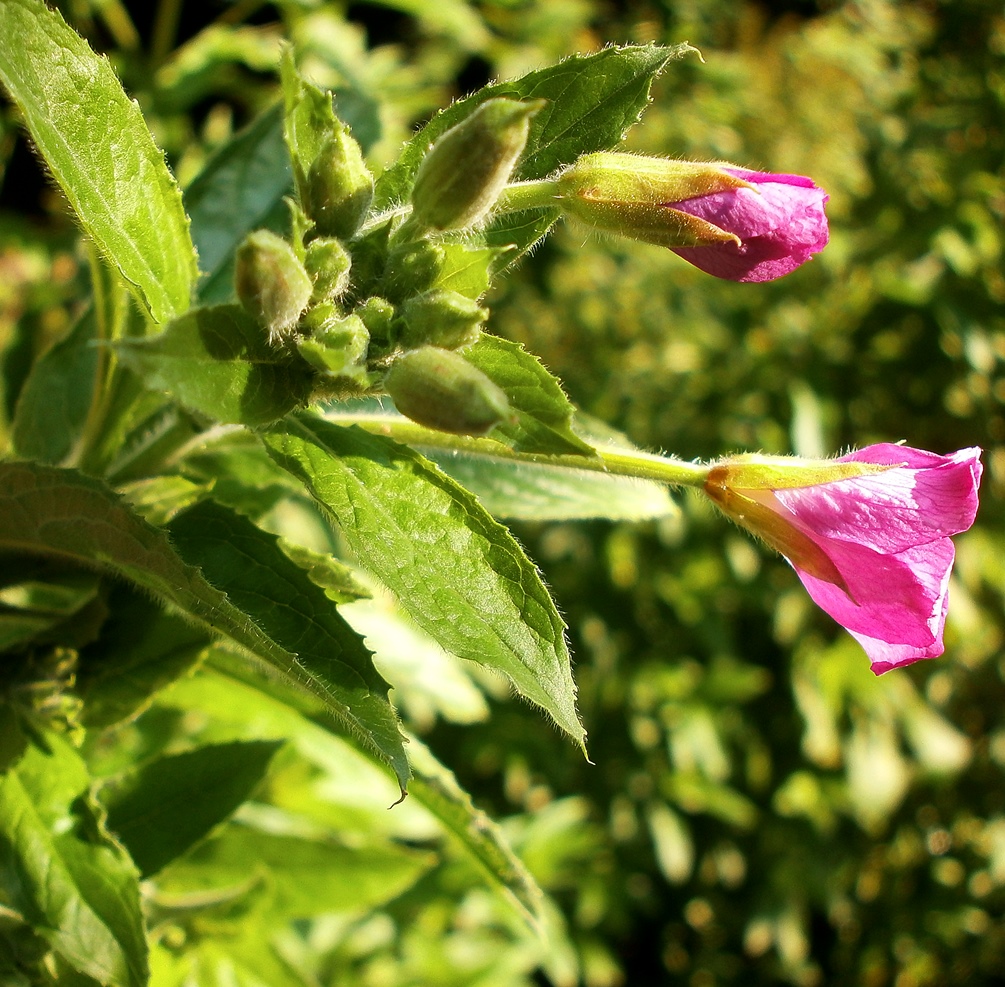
{"points": [[229, 570]]}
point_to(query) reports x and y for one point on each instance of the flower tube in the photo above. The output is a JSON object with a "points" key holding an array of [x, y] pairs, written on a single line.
{"points": [[868, 535]]}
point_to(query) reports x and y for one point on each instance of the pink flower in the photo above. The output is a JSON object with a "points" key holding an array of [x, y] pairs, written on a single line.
{"points": [[779, 224], [736, 224], [868, 535]]}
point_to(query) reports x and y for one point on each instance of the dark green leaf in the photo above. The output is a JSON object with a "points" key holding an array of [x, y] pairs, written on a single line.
{"points": [[459, 574], [95, 141], [73, 885], [543, 412], [249, 566], [142, 649], [241, 189], [162, 809], [217, 362], [49, 511], [52, 406]]}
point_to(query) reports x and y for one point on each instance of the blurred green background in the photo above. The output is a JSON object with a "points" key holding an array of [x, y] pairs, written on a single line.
{"points": [[759, 808]]}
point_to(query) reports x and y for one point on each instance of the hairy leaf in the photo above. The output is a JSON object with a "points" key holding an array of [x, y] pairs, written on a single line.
{"points": [[543, 413], [95, 141], [459, 574], [49, 511]]}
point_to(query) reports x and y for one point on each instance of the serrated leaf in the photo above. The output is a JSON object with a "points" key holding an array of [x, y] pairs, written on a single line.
{"points": [[240, 189], [540, 492], [75, 887], [98, 147], [543, 414], [217, 362], [592, 102], [53, 403], [49, 511], [164, 807], [466, 269], [250, 567], [459, 574]]}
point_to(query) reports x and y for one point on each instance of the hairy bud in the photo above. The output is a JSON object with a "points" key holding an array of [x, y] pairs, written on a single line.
{"points": [[339, 187], [327, 263], [441, 318], [271, 283], [467, 168], [439, 389]]}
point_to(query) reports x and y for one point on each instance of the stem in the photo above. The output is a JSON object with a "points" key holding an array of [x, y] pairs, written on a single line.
{"points": [[613, 461], [527, 195]]}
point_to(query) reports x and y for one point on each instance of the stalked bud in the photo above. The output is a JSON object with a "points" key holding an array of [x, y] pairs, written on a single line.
{"points": [[327, 263], [633, 196], [339, 187], [337, 344], [271, 283], [412, 268], [439, 389], [467, 167], [441, 318], [730, 222]]}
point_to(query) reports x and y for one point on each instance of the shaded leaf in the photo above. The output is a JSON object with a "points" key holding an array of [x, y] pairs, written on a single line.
{"points": [[95, 141], [161, 809], [217, 362], [459, 574]]}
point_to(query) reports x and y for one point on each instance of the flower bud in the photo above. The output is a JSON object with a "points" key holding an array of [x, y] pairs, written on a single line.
{"points": [[271, 283], [337, 345], [412, 268], [467, 167], [339, 187], [441, 318], [735, 224], [377, 314], [327, 263], [439, 389]]}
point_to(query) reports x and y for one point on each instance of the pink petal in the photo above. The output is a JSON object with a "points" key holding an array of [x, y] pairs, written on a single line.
{"points": [[900, 599], [892, 511]]}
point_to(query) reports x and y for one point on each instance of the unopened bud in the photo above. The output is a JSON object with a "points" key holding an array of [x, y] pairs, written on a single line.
{"points": [[467, 168], [271, 283], [337, 345], [412, 268], [441, 318], [633, 196], [327, 263], [439, 389], [339, 187], [377, 314]]}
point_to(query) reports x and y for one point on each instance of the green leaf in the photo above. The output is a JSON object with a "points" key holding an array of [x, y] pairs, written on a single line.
{"points": [[466, 269], [459, 574], [250, 567], [217, 362], [540, 492], [241, 188], [75, 887], [142, 649], [543, 412], [52, 406], [60, 512], [95, 141], [306, 874], [163, 808], [592, 102]]}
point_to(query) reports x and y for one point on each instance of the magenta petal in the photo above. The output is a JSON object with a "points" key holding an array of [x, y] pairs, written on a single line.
{"points": [[893, 510]]}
